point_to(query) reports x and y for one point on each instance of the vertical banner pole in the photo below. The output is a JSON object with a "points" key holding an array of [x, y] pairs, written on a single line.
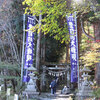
{"points": [[74, 58], [22, 64], [29, 49], [77, 51], [73, 47]]}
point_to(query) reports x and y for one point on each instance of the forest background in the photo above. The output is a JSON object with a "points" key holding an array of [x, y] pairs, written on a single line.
{"points": [[52, 37]]}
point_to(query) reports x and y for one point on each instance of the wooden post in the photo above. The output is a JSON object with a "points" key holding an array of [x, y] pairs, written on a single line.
{"points": [[22, 64]]}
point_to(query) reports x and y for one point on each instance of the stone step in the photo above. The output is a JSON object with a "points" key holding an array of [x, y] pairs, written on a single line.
{"points": [[48, 96]]}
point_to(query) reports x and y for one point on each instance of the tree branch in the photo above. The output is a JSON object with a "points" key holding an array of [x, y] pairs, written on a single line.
{"points": [[83, 30], [36, 19]]}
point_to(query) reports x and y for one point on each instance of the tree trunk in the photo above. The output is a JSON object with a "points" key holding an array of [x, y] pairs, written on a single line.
{"points": [[13, 84], [79, 32], [67, 53], [38, 45], [97, 38], [43, 51], [5, 85]]}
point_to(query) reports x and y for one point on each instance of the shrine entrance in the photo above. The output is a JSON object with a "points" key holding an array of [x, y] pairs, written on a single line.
{"points": [[59, 72]]}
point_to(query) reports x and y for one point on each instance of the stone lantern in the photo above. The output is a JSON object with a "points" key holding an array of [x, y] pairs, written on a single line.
{"points": [[85, 90], [31, 85], [85, 72]]}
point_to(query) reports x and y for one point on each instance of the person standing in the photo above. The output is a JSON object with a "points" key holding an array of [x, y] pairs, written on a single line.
{"points": [[53, 87]]}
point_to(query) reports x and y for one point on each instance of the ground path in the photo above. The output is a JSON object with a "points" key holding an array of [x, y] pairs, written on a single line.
{"points": [[48, 96]]}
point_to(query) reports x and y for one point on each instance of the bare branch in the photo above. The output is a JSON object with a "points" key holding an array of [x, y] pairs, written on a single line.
{"points": [[83, 30], [3, 49], [36, 19]]}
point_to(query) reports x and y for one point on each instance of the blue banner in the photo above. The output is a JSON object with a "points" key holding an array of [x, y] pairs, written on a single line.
{"points": [[73, 47], [29, 50]]}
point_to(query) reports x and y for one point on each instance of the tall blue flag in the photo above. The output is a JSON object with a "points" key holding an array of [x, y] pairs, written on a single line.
{"points": [[73, 47], [29, 50]]}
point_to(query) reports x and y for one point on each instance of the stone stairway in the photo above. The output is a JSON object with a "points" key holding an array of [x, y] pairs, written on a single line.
{"points": [[57, 96]]}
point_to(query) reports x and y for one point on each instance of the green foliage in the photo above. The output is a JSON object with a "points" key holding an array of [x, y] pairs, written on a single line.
{"points": [[90, 53], [9, 77], [54, 21], [2, 95], [88, 48], [93, 16], [9, 66], [81, 6], [54, 50], [98, 1], [54, 15], [96, 93], [11, 70], [93, 12]]}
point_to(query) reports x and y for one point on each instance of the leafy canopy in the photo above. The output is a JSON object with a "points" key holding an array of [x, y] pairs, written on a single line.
{"points": [[54, 15]]}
